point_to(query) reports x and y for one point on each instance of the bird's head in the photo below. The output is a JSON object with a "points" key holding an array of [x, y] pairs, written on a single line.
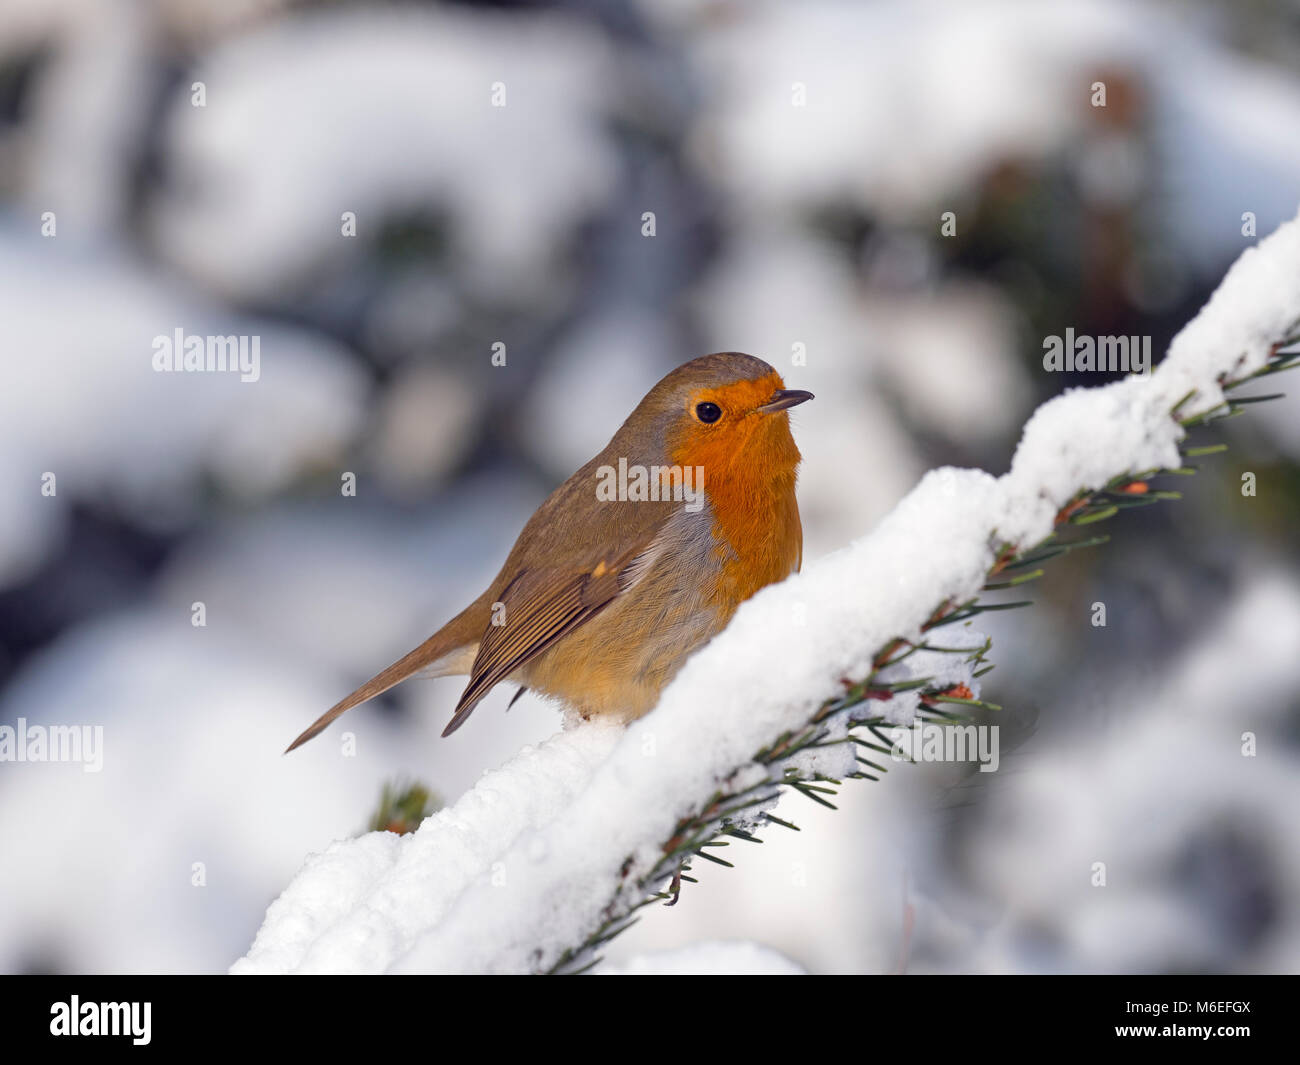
{"points": [[725, 413]]}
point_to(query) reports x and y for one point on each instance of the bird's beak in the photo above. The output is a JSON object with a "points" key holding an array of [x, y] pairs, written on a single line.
{"points": [[784, 399]]}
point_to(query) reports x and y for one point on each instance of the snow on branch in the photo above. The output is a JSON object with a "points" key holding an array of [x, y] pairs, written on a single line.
{"points": [[551, 854]]}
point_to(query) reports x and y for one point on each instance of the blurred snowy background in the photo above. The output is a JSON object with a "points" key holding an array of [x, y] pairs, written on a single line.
{"points": [[797, 160]]}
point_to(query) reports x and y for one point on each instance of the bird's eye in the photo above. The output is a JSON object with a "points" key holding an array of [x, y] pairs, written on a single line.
{"points": [[708, 412]]}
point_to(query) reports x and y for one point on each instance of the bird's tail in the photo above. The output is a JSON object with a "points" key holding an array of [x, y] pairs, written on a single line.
{"points": [[458, 634]]}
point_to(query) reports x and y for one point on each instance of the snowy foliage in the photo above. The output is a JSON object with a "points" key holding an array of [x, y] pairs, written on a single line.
{"points": [[529, 863]]}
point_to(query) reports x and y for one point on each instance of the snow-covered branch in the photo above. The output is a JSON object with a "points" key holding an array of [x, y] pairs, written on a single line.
{"points": [[558, 846]]}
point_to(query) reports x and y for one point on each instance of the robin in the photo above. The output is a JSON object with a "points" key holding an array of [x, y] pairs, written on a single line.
{"points": [[638, 558]]}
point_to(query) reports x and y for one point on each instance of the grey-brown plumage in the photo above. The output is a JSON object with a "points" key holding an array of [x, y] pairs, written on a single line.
{"points": [[600, 601]]}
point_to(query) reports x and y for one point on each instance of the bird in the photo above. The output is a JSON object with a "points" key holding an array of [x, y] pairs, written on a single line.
{"points": [[636, 560]]}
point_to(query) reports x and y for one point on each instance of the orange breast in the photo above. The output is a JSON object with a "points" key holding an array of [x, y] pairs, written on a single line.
{"points": [[749, 479]]}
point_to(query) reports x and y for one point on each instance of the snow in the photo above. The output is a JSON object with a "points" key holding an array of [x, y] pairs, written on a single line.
{"points": [[1175, 755], [412, 128], [907, 104], [926, 872], [180, 706], [559, 846], [369, 899], [112, 888], [1248, 313], [131, 433], [1233, 334]]}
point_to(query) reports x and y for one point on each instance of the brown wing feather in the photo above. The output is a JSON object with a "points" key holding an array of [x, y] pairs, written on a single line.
{"points": [[542, 607]]}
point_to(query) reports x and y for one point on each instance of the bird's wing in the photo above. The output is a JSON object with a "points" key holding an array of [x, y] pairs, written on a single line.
{"points": [[540, 607]]}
